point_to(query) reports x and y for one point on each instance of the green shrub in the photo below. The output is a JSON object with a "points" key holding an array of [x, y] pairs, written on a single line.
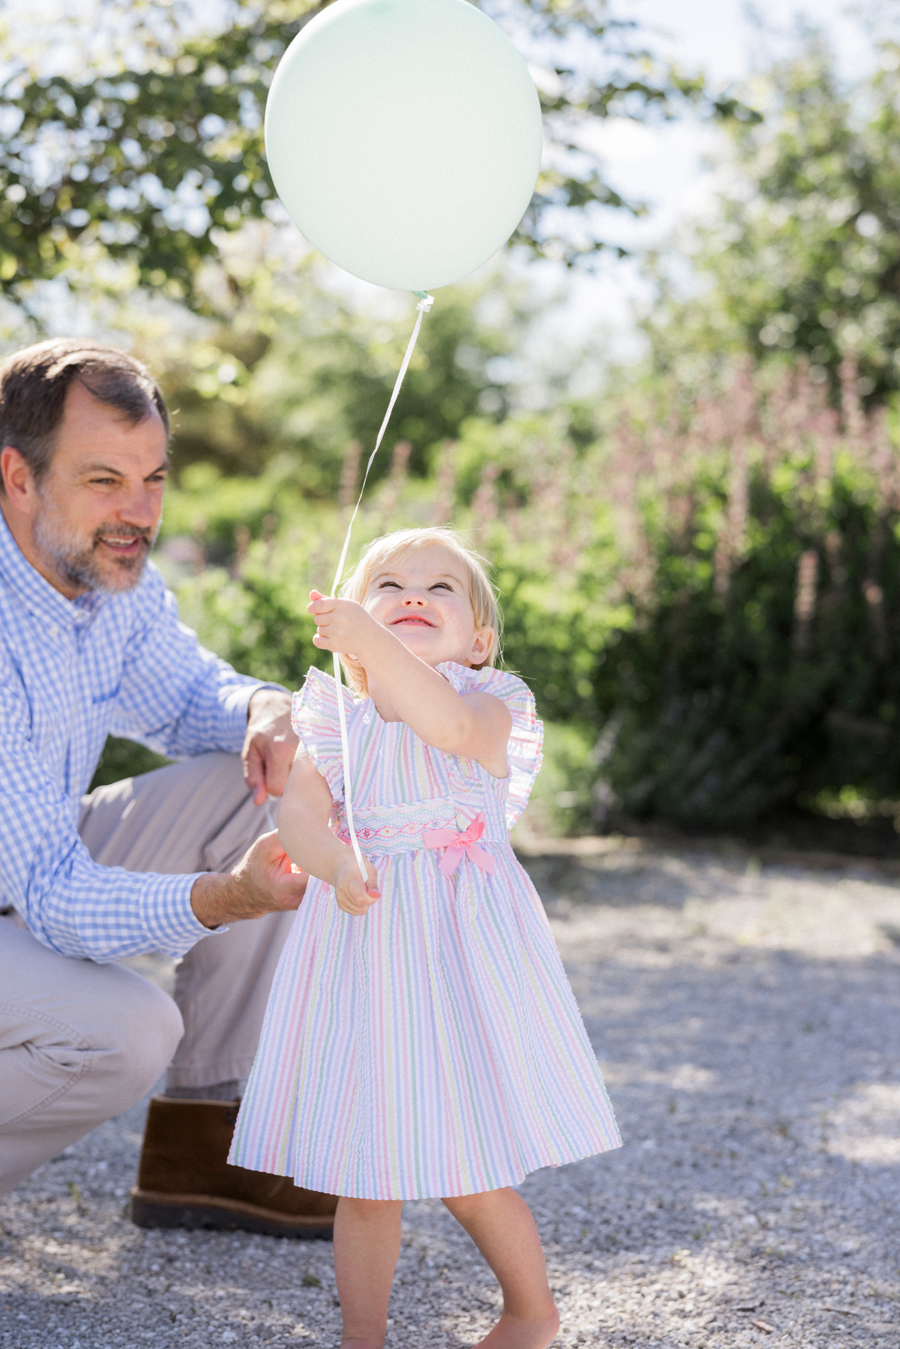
{"points": [[762, 668], [562, 802]]}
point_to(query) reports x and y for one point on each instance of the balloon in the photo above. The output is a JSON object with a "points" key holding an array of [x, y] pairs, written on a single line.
{"points": [[404, 138]]}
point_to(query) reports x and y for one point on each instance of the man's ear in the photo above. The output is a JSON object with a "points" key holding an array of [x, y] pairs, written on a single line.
{"points": [[18, 479]]}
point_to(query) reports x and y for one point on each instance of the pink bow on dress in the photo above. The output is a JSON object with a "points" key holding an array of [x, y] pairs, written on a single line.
{"points": [[459, 846]]}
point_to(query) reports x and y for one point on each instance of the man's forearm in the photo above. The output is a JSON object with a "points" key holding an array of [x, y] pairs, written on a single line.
{"points": [[269, 698], [101, 914], [261, 883], [214, 899]]}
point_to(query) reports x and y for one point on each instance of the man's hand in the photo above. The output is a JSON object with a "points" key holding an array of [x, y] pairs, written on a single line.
{"points": [[269, 745], [262, 882]]}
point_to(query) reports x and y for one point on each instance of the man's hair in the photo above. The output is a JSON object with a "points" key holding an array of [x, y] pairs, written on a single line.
{"points": [[34, 383], [377, 555]]}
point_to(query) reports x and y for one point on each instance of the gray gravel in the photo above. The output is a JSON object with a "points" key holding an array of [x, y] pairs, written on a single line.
{"points": [[748, 1019]]}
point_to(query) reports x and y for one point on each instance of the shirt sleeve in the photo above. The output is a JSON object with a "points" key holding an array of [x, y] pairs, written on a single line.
{"points": [[175, 696], [68, 901]]}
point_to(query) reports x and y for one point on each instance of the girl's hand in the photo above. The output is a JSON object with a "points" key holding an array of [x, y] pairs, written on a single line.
{"points": [[341, 624], [352, 896]]}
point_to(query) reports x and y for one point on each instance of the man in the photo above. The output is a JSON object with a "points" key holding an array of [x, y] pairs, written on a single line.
{"points": [[90, 644]]}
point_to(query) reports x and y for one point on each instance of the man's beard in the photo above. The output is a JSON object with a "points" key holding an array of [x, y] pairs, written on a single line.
{"points": [[77, 559]]}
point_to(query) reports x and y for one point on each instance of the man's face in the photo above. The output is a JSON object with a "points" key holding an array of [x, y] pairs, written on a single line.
{"points": [[97, 512]]}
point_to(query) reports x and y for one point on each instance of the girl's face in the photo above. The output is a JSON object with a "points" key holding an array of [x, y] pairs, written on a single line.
{"points": [[423, 597]]}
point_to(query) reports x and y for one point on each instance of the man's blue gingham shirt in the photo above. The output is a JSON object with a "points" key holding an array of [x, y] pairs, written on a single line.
{"points": [[71, 673]]}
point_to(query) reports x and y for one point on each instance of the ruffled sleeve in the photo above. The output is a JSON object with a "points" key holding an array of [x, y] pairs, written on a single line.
{"points": [[314, 717], [526, 737]]}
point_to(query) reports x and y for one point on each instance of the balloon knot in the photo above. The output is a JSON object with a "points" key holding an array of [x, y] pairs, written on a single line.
{"points": [[424, 305]]}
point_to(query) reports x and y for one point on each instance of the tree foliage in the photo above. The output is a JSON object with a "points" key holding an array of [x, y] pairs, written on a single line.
{"points": [[804, 255], [151, 162], [299, 384]]}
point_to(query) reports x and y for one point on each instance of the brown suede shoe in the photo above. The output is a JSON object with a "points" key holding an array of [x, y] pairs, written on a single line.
{"points": [[184, 1179]]}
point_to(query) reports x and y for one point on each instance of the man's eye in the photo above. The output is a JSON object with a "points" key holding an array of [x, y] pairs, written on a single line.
{"points": [[103, 482]]}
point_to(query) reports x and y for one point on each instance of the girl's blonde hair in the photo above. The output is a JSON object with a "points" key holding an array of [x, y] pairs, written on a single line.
{"points": [[376, 555]]}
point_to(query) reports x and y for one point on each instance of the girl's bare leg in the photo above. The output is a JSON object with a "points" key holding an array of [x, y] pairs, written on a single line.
{"points": [[501, 1225], [366, 1246]]}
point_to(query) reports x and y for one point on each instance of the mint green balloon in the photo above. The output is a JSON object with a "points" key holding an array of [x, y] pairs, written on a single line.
{"points": [[404, 138]]}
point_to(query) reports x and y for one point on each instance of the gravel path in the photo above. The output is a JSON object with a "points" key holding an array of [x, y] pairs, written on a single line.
{"points": [[748, 1020]]}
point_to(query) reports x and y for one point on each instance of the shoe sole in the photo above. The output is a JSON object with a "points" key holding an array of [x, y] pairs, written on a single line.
{"points": [[149, 1209]]}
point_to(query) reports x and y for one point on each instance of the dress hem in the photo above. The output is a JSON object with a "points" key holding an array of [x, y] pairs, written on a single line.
{"points": [[308, 1182]]}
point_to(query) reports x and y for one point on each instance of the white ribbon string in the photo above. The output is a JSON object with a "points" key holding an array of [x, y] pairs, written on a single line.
{"points": [[422, 308]]}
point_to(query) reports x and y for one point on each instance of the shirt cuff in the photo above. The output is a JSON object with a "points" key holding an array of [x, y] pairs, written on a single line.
{"points": [[235, 704], [167, 916]]}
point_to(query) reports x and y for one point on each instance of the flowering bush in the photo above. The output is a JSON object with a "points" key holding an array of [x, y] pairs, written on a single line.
{"points": [[762, 663]]}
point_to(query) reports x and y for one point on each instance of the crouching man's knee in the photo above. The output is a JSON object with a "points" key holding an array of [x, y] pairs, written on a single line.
{"points": [[79, 1043], [139, 1047]]}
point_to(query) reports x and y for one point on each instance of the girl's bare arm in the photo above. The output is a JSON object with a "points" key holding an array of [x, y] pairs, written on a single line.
{"points": [[304, 834]]}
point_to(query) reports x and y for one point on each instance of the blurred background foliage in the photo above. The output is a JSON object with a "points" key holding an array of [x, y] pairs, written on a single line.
{"points": [[803, 254], [698, 557], [285, 388]]}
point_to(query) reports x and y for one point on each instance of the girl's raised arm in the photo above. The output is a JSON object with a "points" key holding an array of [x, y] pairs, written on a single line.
{"points": [[472, 725], [475, 725]]}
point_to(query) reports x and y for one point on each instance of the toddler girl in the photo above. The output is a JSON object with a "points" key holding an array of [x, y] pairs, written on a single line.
{"points": [[421, 1038]]}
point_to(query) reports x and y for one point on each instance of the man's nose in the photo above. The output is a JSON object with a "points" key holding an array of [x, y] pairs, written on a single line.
{"points": [[140, 508]]}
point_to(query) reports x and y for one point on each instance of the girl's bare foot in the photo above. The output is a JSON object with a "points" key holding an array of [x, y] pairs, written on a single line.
{"points": [[515, 1332]]}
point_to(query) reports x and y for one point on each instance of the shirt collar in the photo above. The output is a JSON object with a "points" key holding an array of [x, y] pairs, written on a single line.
{"points": [[39, 597]]}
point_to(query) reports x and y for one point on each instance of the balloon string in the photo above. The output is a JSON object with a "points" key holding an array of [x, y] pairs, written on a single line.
{"points": [[422, 308]]}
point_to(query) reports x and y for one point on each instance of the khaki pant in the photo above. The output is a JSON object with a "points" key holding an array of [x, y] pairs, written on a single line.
{"points": [[80, 1042]]}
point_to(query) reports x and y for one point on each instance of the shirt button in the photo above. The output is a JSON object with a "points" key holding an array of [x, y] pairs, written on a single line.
{"points": [[54, 630]]}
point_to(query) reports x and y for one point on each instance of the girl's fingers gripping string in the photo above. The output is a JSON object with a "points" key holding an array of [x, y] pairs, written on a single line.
{"points": [[319, 604]]}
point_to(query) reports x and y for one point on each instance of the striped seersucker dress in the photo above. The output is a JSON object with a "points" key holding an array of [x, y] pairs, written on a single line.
{"points": [[433, 1047]]}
